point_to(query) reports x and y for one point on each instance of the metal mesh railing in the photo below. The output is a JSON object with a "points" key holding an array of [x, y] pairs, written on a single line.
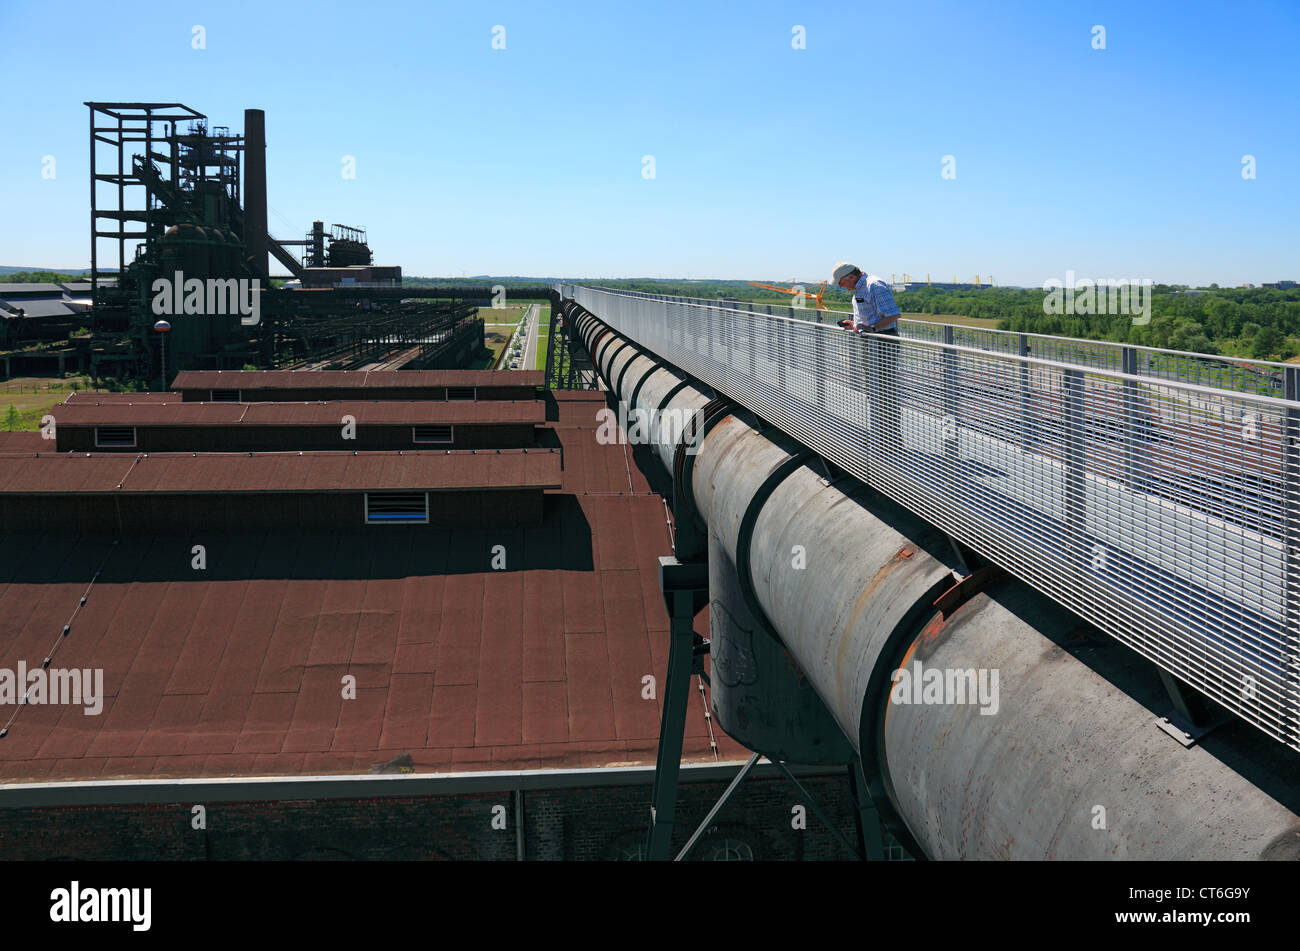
{"points": [[1262, 377], [1162, 511]]}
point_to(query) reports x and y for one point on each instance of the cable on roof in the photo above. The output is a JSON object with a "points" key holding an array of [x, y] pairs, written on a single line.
{"points": [[708, 719], [67, 629]]}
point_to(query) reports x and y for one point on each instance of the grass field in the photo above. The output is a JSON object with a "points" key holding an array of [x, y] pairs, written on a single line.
{"points": [[495, 341], [543, 329], [30, 406], [33, 397], [501, 315], [498, 324], [985, 323]]}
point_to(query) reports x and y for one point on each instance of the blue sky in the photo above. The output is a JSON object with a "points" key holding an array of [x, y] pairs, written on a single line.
{"points": [[770, 162]]}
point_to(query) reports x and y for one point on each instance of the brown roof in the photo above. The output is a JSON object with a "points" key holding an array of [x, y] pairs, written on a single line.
{"points": [[24, 441], [366, 412], [464, 667], [184, 472], [381, 412], [590, 467], [578, 407], [340, 379], [62, 473], [176, 413], [84, 396]]}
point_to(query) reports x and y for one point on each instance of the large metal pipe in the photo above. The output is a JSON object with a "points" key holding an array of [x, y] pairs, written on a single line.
{"points": [[1073, 765], [255, 227], [761, 695], [1062, 760]]}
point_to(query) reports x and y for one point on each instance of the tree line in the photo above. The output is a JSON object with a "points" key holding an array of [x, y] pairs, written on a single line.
{"points": [[40, 277], [1260, 323]]}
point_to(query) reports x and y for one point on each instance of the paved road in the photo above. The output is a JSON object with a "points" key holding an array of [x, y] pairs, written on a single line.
{"points": [[530, 342]]}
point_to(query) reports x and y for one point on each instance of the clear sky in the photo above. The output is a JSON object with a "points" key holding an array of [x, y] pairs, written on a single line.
{"points": [[770, 162]]}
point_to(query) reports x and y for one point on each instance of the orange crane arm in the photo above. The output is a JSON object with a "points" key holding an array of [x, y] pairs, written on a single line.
{"points": [[820, 289]]}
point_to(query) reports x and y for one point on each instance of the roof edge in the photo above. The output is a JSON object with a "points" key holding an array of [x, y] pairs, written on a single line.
{"points": [[361, 786]]}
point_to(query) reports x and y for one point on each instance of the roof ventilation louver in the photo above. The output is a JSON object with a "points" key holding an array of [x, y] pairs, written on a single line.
{"points": [[115, 437], [397, 507], [431, 434]]}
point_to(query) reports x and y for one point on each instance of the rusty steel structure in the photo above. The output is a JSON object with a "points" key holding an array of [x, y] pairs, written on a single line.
{"points": [[568, 365], [180, 200]]}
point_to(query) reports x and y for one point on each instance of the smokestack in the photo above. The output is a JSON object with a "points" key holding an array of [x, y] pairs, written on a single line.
{"points": [[255, 189], [318, 244]]}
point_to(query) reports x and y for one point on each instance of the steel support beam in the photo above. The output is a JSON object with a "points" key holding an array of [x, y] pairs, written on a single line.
{"points": [[817, 811], [682, 586], [871, 842], [717, 807]]}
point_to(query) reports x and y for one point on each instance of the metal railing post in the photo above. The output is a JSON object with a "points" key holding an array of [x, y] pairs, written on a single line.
{"points": [[949, 428], [782, 349], [1130, 412], [1026, 425], [709, 338], [1291, 543], [1075, 436], [752, 339], [819, 369], [872, 390]]}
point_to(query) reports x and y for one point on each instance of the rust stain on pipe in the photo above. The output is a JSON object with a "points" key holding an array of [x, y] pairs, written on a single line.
{"points": [[872, 586]]}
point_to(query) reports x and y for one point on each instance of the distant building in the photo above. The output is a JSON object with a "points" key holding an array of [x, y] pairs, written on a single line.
{"points": [[942, 286], [44, 300], [364, 275], [37, 313]]}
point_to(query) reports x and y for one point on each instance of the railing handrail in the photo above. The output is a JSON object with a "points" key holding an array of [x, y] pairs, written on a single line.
{"points": [[1243, 363]]}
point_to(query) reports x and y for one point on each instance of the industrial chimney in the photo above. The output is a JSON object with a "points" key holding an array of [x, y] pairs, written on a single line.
{"points": [[255, 242], [317, 257]]}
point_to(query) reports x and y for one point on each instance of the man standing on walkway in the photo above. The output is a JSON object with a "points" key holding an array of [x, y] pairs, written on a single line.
{"points": [[874, 309], [874, 312]]}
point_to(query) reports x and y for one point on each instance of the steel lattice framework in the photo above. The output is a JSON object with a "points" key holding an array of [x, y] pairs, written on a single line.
{"points": [[1111, 478]]}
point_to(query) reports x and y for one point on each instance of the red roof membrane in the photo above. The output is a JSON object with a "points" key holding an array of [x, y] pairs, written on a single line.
{"points": [[339, 379], [236, 671], [280, 472], [315, 413]]}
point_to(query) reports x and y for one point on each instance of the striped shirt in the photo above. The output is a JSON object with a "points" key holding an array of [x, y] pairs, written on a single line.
{"points": [[872, 303]]}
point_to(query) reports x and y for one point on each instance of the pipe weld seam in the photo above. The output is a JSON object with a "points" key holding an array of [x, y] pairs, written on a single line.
{"points": [[745, 536]]}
